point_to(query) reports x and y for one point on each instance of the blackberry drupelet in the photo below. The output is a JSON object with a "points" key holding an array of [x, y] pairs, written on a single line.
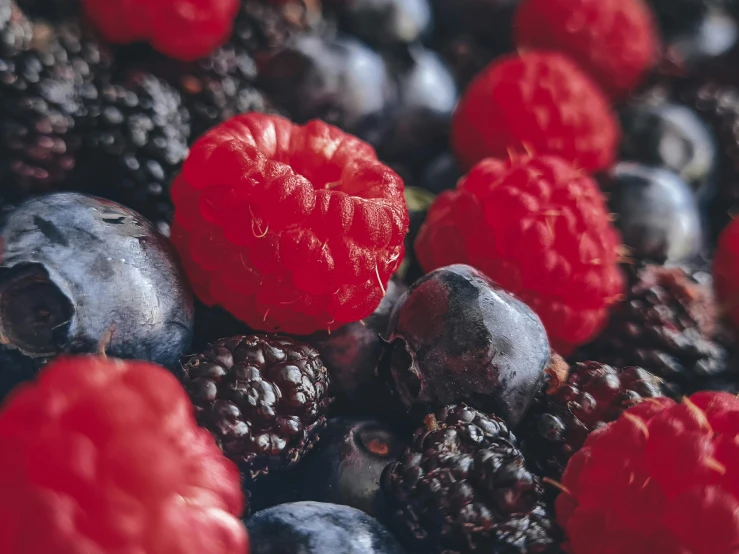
{"points": [[462, 488], [666, 324], [138, 140], [91, 59], [564, 414], [16, 32], [264, 399]]}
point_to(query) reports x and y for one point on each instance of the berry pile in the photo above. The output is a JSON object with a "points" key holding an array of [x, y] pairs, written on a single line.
{"points": [[369, 276]]}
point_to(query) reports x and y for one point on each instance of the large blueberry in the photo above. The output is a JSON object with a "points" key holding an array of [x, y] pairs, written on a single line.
{"points": [[76, 271], [318, 528], [657, 213], [456, 336], [349, 461], [670, 136], [441, 174], [339, 80]]}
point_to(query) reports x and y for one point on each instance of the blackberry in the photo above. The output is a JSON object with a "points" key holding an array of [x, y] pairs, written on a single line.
{"points": [[16, 32], [137, 142], [462, 488], [264, 399], [52, 10], [666, 324], [565, 413]]}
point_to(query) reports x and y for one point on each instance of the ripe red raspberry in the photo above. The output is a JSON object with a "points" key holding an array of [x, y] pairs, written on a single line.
{"points": [[290, 228], [539, 228], [182, 29], [540, 102], [726, 270], [102, 456], [662, 479], [615, 41]]}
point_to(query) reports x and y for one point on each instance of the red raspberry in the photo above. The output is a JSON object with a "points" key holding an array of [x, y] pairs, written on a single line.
{"points": [[540, 229], [182, 29], [540, 102], [103, 456], [726, 270], [290, 228], [615, 41], [662, 479]]}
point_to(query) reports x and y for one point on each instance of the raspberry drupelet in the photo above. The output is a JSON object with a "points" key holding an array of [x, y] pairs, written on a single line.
{"points": [[541, 102], [290, 228], [726, 271], [540, 229], [102, 455], [182, 29]]}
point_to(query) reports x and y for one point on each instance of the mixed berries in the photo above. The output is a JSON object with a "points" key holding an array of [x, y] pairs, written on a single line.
{"points": [[369, 276]]}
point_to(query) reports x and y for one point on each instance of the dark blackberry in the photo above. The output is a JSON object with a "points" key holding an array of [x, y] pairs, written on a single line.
{"points": [[16, 32], [462, 488], [137, 142], [667, 324], [91, 59], [218, 87], [264, 399], [52, 10], [591, 395]]}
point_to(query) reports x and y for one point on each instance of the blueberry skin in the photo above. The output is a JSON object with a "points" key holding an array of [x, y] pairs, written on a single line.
{"points": [[657, 213], [670, 136], [318, 528], [79, 272], [349, 461], [456, 336], [441, 174], [384, 22], [339, 80]]}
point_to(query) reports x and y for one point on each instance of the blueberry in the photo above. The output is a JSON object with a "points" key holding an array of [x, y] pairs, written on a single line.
{"points": [[339, 80], [384, 22], [77, 270], [670, 136], [318, 528], [351, 354], [418, 201], [347, 466], [710, 41], [456, 336], [427, 96], [657, 213], [441, 174]]}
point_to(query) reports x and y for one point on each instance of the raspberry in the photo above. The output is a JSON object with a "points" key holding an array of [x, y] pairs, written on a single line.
{"points": [[661, 479], [182, 29], [615, 41], [100, 455], [539, 228], [726, 270], [290, 228], [541, 102]]}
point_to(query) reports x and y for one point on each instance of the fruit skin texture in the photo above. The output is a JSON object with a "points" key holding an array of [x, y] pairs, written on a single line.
{"points": [[74, 268], [592, 395], [726, 269], [539, 102], [101, 455], [183, 29], [318, 528], [540, 229], [264, 399], [290, 228], [462, 488], [662, 478], [456, 336], [615, 41]]}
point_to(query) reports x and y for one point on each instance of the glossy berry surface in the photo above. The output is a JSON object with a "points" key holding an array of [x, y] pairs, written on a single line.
{"points": [[290, 228], [384, 22], [550, 107], [318, 528], [540, 229], [462, 488], [347, 465], [102, 455], [182, 29], [657, 213], [661, 478], [74, 268], [264, 399], [456, 336]]}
